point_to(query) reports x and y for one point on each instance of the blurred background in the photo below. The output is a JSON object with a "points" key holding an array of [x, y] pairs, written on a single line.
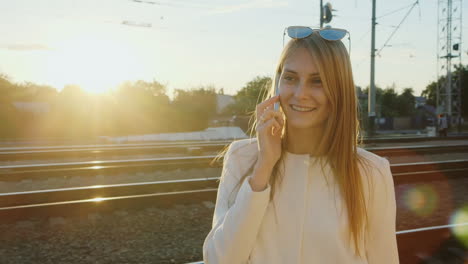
{"points": [[114, 115], [84, 69]]}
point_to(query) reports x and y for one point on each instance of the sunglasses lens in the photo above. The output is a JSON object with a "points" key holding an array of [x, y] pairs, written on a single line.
{"points": [[299, 32], [332, 34]]}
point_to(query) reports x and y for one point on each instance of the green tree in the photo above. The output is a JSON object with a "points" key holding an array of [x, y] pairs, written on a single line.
{"points": [[249, 96], [7, 89], [193, 109], [430, 93], [142, 96], [39, 93], [405, 103], [141, 107], [461, 72], [132, 108], [388, 102], [8, 114], [71, 112]]}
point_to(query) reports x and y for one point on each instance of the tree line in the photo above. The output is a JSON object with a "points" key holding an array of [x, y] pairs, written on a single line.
{"points": [[143, 107], [389, 103], [133, 108]]}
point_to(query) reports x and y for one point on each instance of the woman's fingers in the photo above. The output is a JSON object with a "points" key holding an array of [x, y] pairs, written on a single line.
{"points": [[268, 114], [263, 105], [273, 124], [269, 118]]}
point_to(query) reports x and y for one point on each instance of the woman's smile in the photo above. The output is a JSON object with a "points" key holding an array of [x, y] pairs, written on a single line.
{"points": [[302, 109]]}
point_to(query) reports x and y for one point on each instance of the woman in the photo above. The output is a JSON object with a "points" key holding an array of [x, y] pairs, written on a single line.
{"points": [[301, 191]]}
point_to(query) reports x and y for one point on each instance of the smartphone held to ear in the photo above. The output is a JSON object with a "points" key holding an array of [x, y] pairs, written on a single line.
{"points": [[277, 104]]}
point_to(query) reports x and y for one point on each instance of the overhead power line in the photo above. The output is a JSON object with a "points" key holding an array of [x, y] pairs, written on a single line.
{"points": [[146, 2], [394, 11], [396, 29], [136, 24], [159, 3]]}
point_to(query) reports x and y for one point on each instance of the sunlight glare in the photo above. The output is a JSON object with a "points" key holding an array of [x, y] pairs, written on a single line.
{"points": [[461, 232], [95, 64], [97, 199], [422, 200]]}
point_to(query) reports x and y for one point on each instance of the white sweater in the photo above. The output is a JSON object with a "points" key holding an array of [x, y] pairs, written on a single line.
{"points": [[311, 228]]}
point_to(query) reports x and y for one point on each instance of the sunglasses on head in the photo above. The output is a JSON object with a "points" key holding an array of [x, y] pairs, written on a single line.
{"points": [[327, 33]]}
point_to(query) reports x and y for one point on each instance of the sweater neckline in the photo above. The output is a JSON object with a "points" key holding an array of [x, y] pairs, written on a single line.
{"points": [[296, 155]]}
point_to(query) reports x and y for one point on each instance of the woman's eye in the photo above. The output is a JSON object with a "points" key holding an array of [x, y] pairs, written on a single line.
{"points": [[288, 78]]}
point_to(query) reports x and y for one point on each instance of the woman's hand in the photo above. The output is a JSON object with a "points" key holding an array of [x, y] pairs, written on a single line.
{"points": [[269, 130]]}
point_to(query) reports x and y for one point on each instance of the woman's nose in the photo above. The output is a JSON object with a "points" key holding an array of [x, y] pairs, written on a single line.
{"points": [[301, 90]]}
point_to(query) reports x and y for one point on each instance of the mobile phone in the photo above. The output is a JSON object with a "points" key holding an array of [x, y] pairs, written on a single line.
{"points": [[277, 104]]}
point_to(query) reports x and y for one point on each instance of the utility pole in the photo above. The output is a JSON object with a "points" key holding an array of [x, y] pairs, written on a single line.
{"points": [[325, 13], [449, 40], [371, 96], [321, 13]]}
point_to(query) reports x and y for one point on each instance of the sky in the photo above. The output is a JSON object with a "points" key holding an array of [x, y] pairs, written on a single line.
{"points": [[185, 44]]}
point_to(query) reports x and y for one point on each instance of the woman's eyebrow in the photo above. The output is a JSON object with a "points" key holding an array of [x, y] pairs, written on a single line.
{"points": [[315, 74]]}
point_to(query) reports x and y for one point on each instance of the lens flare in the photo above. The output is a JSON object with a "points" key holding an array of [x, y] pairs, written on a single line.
{"points": [[98, 199], [460, 218], [422, 200]]}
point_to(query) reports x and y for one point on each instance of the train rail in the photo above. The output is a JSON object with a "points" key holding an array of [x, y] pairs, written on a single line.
{"points": [[104, 167], [21, 153], [414, 244], [20, 204], [106, 150]]}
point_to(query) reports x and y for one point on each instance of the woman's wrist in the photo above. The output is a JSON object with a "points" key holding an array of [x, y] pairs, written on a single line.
{"points": [[264, 165], [257, 186], [261, 176]]}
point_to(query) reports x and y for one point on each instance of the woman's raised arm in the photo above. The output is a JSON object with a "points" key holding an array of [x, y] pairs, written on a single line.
{"points": [[234, 229]]}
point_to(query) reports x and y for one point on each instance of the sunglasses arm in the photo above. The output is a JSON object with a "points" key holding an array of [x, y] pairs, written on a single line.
{"points": [[349, 41], [284, 34]]}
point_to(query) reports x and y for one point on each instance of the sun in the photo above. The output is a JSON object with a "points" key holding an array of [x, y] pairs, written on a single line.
{"points": [[95, 64]]}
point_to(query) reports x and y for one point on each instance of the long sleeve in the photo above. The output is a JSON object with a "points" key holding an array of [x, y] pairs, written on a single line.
{"points": [[382, 245], [234, 229]]}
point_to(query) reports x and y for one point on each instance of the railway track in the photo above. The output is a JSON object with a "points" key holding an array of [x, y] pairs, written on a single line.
{"points": [[71, 202], [73, 151], [402, 174], [109, 167], [172, 190], [68, 202], [108, 150]]}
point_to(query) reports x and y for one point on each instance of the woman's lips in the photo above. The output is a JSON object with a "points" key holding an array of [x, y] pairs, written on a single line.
{"points": [[311, 108]]}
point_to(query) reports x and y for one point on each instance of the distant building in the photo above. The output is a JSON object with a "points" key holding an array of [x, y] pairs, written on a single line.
{"points": [[36, 108], [222, 101], [211, 133], [419, 101], [361, 95]]}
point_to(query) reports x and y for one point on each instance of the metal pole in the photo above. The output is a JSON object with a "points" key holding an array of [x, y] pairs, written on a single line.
{"points": [[321, 13], [460, 72], [448, 87], [371, 96]]}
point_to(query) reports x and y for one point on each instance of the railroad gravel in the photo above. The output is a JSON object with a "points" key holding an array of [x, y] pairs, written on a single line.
{"points": [[65, 181], [118, 178], [176, 234], [152, 235]]}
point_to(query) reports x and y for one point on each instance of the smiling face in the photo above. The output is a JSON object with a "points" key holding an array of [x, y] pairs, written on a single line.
{"points": [[302, 94]]}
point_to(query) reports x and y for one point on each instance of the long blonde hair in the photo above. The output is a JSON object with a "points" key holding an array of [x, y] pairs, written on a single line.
{"points": [[341, 131]]}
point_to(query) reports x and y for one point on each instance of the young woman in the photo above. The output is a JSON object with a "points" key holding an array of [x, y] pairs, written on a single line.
{"points": [[302, 191]]}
